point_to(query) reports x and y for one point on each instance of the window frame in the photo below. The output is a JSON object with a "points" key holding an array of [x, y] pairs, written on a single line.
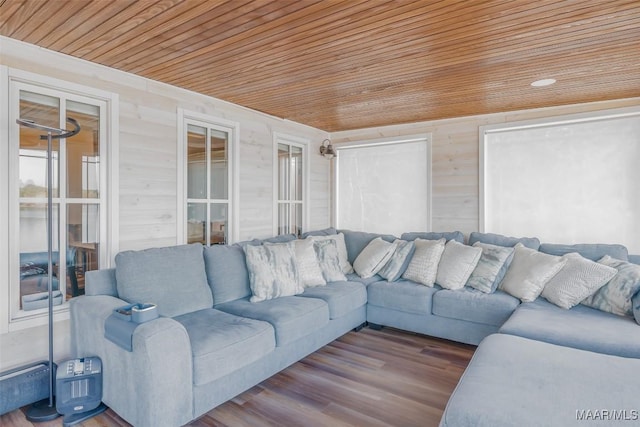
{"points": [[14, 80], [186, 117], [303, 143]]}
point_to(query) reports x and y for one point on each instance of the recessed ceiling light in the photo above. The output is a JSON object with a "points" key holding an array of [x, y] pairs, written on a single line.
{"points": [[543, 82]]}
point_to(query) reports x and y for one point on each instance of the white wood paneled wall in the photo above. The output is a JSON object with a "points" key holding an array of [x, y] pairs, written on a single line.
{"points": [[455, 161], [148, 171]]}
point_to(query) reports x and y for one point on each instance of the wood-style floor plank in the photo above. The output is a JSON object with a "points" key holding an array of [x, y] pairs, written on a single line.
{"points": [[367, 378]]}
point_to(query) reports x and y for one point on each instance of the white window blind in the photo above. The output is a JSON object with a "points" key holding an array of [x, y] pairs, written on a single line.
{"points": [[570, 181], [384, 187]]}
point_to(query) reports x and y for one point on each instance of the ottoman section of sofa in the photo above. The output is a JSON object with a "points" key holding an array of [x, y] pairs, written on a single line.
{"points": [[222, 343], [291, 317], [515, 381], [474, 306], [341, 297], [580, 327], [404, 295]]}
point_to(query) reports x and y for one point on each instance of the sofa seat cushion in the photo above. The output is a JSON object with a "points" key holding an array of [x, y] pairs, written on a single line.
{"points": [[342, 297], [580, 327], [403, 295], [474, 306], [222, 343], [514, 381], [292, 317]]}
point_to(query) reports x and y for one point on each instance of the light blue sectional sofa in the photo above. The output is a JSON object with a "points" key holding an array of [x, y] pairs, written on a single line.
{"points": [[211, 343]]}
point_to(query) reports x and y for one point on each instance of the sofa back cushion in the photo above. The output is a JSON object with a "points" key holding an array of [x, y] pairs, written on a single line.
{"points": [[227, 272], [174, 278], [592, 251], [433, 235], [356, 241], [324, 232], [500, 240]]}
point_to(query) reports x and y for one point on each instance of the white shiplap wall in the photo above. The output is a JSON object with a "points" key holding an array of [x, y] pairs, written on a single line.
{"points": [[147, 115]]}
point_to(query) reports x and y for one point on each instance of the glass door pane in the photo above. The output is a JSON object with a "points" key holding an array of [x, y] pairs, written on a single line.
{"points": [[83, 152], [284, 188], [219, 165], [196, 223], [196, 162], [83, 244], [218, 233]]}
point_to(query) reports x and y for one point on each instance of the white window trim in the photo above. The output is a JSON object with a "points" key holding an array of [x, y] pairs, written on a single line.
{"points": [[485, 131], [304, 143], [386, 141], [109, 175], [233, 211]]}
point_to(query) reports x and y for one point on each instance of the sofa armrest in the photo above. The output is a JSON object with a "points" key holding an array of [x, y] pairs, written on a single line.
{"points": [[149, 386]]}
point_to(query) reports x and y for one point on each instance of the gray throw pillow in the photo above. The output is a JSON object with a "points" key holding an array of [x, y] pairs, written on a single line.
{"points": [[373, 257], [615, 297], [491, 267], [329, 260], [423, 266], [456, 264], [399, 261]]}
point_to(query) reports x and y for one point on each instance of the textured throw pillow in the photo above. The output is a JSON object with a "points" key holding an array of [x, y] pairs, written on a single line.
{"points": [[329, 260], [615, 296], [309, 271], [491, 267], [272, 271], [423, 266], [529, 271], [399, 261], [456, 264], [577, 280], [373, 257], [345, 265]]}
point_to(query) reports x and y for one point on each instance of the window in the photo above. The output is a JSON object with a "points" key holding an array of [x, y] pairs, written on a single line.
{"points": [[209, 183], [79, 190], [569, 180], [384, 186], [291, 184]]}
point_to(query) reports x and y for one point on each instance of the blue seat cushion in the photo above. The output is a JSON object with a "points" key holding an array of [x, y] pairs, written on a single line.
{"points": [[292, 317], [514, 381], [222, 343], [342, 297], [474, 306], [580, 327], [403, 295]]}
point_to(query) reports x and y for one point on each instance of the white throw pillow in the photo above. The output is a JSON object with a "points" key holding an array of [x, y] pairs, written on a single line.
{"points": [[373, 257], [272, 271], [529, 271], [423, 266], [343, 257], [329, 260], [615, 297], [399, 261], [491, 268], [456, 264], [309, 271], [578, 279]]}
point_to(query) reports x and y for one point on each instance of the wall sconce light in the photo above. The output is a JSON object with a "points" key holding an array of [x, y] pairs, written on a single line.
{"points": [[327, 150]]}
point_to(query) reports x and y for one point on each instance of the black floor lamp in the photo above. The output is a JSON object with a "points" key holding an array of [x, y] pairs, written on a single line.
{"points": [[45, 410]]}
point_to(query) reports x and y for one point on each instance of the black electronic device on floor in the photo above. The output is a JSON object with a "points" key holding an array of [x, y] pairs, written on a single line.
{"points": [[79, 389]]}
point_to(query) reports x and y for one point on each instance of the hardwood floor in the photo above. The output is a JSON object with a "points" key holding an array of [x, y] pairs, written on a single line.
{"points": [[367, 378]]}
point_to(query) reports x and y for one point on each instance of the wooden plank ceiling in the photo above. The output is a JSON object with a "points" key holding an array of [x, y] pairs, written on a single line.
{"points": [[347, 64]]}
